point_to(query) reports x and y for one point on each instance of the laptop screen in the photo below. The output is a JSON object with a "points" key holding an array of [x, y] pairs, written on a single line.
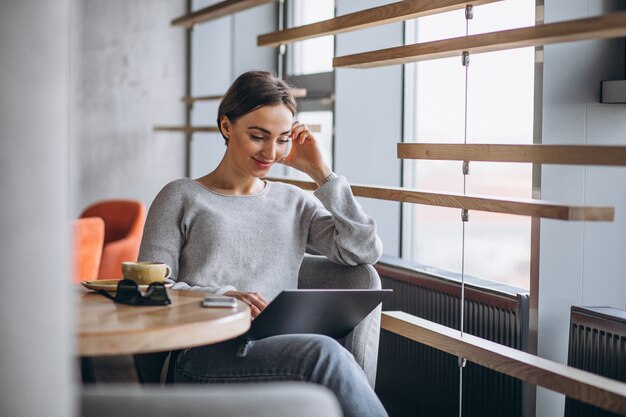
{"points": [[332, 313]]}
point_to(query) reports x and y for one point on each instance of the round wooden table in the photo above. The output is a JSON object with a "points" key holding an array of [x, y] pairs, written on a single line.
{"points": [[106, 328]]}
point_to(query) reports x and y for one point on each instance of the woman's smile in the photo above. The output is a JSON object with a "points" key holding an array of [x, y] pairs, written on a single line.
{"points": [[262, 164]]}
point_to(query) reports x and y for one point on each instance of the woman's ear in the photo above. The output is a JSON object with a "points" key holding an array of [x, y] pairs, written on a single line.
{"points": [[225, 126]]}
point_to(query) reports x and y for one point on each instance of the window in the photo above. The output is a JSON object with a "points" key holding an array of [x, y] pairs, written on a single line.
{"points": [[312, 55], [500, 92]]}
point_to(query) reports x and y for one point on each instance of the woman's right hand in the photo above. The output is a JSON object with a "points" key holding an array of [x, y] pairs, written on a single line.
{"points": [[305, 154], [256, 302]]}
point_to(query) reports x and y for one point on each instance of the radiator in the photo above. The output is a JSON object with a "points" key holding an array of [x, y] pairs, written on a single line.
{"points": [[416, 380], [597, 343]]}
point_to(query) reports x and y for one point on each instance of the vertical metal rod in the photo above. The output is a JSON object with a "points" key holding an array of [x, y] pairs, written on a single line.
{"points": [[469, 14], [189, 107], [281, 48], [461, 363], [465, 173], [460, 391]]}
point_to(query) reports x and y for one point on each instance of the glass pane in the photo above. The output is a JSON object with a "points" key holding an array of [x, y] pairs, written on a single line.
{"points": [[500, 110], [313, 55]]}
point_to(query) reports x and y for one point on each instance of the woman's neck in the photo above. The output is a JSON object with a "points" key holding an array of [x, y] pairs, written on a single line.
{"points": [[226, 180]]}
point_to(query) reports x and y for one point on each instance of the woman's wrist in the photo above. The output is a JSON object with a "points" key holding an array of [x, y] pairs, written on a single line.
{"points": [[321, 175], [328, 178]]}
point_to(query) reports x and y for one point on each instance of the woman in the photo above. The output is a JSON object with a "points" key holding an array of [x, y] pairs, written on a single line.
{"points": [[232, 233]]}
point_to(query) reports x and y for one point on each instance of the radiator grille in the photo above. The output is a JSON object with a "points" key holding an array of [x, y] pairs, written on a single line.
{"points": [[597, 343], [416, 380]]}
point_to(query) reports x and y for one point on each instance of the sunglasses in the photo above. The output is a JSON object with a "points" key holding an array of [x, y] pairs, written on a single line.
{"points": [[128, 293]]}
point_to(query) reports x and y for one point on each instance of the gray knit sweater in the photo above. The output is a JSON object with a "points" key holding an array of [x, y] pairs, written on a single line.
{"points": [[218, 243]]}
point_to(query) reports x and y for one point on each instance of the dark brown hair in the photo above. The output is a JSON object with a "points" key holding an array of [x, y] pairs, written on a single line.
{"points": [[250, 91]]}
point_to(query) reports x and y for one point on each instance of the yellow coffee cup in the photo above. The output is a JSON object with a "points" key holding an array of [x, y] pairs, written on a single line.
{"points": [[144, 273]]}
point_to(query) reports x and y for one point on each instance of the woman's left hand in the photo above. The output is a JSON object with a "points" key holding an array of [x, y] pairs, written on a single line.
{"points": [[305, 154], [255, 301]]}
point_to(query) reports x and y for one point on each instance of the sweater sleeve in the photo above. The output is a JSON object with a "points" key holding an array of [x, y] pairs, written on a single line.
{"points": [[340, 229]]}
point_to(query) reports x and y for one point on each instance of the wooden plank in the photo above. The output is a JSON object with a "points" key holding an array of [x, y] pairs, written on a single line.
{"points": [[388, 13], [607, 26], [314, 128], [296, 92], [522, 207], [185, 129], [196, 129], [214, 11], [602, 392], [539, 154], [191, 100]]}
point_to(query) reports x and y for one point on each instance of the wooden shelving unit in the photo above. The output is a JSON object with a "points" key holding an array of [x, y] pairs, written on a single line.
{"points": [[210, 129], [221, 9], [296, 92], [522, 207], [538, 154], [191, 100], [376, 16], [186, 129], [602, 27]]}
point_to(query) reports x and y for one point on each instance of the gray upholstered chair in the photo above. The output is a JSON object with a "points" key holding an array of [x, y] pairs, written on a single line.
{"points": [[319, 272]]}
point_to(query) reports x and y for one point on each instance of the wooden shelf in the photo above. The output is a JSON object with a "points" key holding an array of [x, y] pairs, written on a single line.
{"points": [[191, 100], [220, 9], [388, 13], [195, 129], [539, 154], [296, 92], [522, 207], [602, 392], [185, 129], [607, 26]]}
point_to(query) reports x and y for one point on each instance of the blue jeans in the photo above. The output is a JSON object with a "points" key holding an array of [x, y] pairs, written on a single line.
{"points": [[310, 358]]}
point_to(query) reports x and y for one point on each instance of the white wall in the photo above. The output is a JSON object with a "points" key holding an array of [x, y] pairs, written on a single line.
{"points": [[35, 306], [129, 75], [368, 115], [582, 263]]}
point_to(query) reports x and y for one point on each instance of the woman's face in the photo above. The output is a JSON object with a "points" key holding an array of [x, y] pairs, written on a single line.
{"points": [[258, 139]]}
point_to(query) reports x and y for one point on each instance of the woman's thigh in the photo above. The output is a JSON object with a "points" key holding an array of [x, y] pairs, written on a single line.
{"points": [[277, 358]]}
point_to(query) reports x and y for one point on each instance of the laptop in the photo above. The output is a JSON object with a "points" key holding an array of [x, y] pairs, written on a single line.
{"points": [[332, 313]]}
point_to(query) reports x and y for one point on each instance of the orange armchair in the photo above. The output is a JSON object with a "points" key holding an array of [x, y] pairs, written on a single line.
{"points": [[88, 234], [123, 227]]}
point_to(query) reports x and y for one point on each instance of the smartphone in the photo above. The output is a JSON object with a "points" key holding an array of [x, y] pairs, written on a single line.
{"points": [[220, 302]]}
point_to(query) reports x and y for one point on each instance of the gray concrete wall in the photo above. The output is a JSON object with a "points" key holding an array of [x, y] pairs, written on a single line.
{"points": [[580, 263], [368, 119], [129, 75], [35, 318]]}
